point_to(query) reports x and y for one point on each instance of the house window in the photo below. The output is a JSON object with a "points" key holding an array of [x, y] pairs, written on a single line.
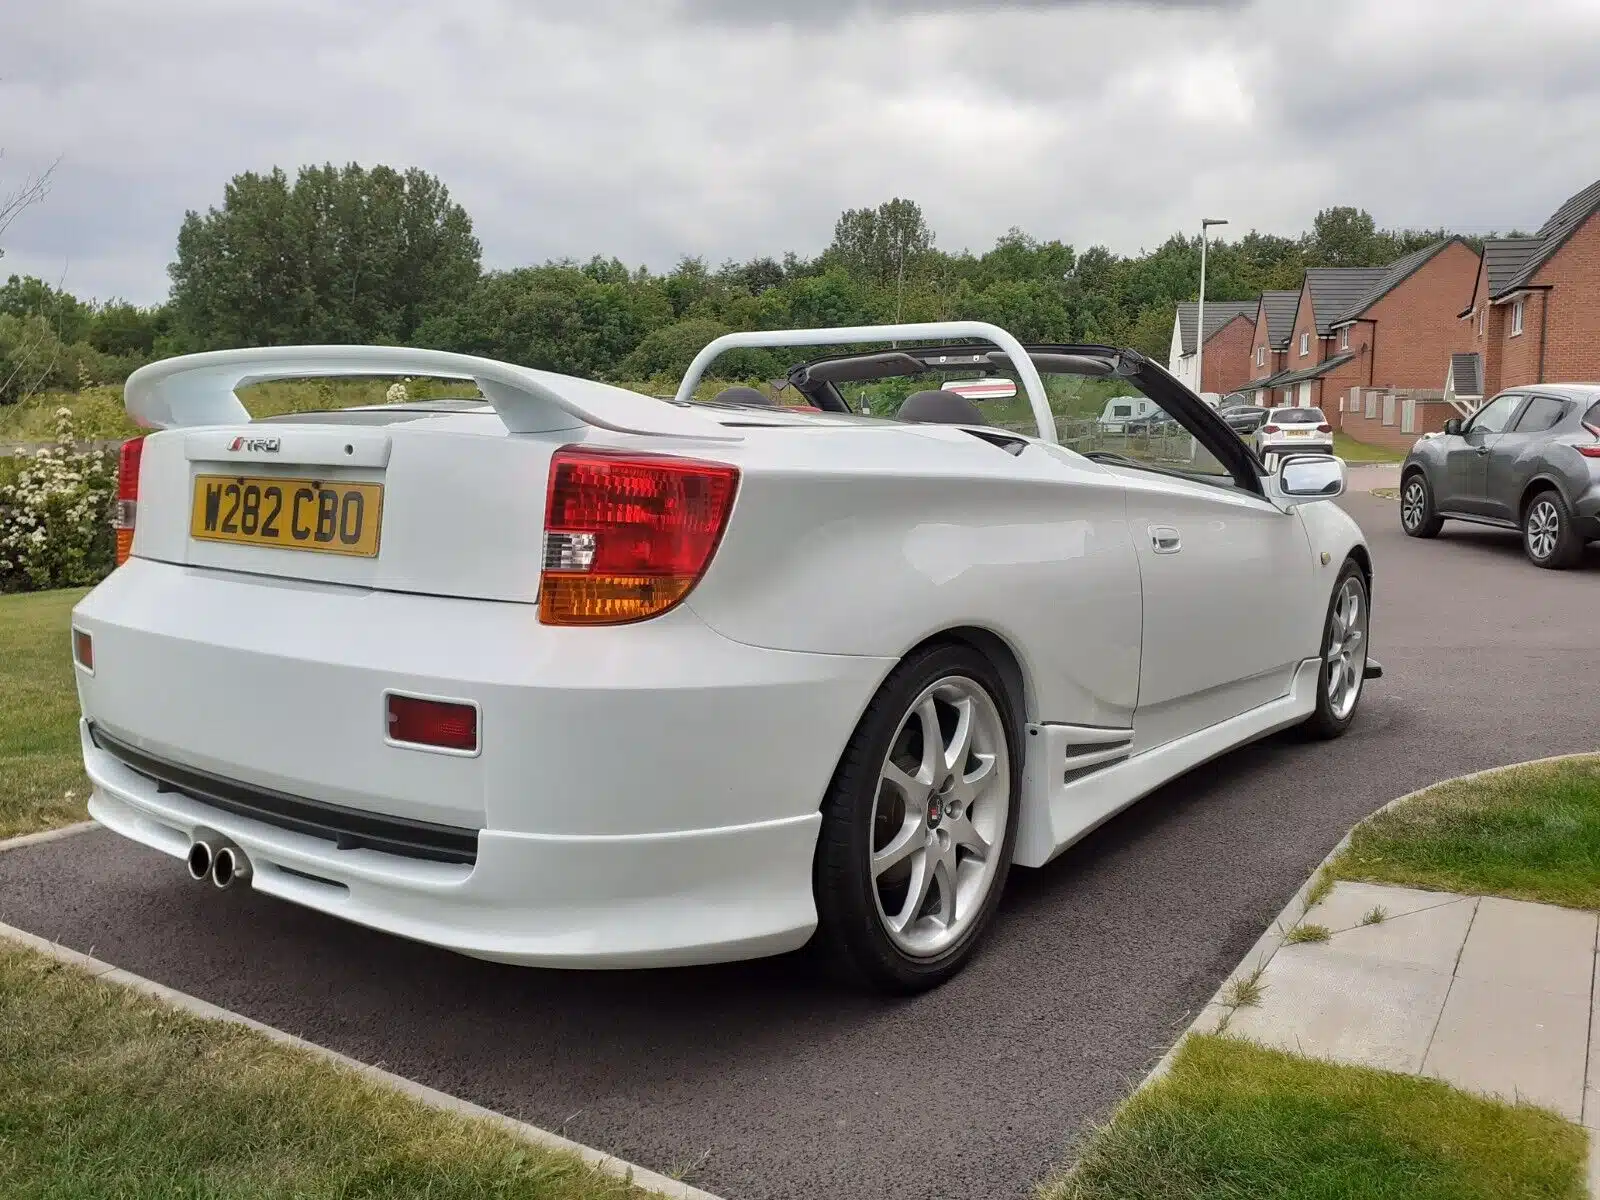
{"points": [[1344, 338], [1516, 318], [1305, 344], [1261, 356]]}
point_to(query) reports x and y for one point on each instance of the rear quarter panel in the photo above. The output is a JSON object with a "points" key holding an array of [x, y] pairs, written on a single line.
{"points": [[867, 542]]}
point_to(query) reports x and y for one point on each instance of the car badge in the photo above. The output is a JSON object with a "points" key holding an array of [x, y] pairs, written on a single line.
{"points": [[255, 445]]}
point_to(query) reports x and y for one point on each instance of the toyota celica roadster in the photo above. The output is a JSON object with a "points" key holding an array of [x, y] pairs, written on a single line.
{"points": [[560, 674]]}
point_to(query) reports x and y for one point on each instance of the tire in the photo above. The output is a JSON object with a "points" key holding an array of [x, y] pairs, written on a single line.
{"points": [[1417, 515], [928, 831], [1336, 707], [1548, 535]]}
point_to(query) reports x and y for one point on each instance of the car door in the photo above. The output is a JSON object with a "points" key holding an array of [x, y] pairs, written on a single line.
{"points": [[1506, 476], [1225, 575], [1466, 473], [1226, 578]]}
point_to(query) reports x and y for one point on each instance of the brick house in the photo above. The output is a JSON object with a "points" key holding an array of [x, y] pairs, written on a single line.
{"points": [[1230, 326], [1534, 316], [1398, 332], [1269, 345]]}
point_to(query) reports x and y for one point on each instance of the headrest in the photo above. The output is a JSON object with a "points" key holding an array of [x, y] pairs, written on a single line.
{"points": [[940, 408], [743, 395]]}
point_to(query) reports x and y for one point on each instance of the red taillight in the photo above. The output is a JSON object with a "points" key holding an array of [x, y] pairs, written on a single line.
{"points": [[1324, 428], [1269, 429], [126, 510], [442, 724], [1594, 450], [627, 535]]}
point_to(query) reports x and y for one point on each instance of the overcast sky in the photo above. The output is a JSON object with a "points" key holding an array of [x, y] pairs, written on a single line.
{"points": [[652, 129]]}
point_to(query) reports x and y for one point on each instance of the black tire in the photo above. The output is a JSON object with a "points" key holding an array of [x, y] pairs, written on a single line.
{"points": [[850, 931], [1325, 723], [1417, 515], [1565, 548]]}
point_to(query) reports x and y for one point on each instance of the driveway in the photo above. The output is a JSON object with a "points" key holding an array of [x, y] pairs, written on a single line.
{"points": [[761, 1081]]}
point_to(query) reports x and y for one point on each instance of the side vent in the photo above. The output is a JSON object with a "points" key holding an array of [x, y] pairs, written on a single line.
{"points": [[1089, 750]]}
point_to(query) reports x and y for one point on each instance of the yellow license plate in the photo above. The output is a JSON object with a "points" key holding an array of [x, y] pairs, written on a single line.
{"points": [[1299, 432], [291, 514]]}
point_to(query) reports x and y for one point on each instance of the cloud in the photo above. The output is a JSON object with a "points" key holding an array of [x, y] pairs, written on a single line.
{"points": [[723, 129]]}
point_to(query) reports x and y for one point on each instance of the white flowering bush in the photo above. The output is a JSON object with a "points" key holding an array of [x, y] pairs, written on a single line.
{"points": [[55, 516], [397, 393]]}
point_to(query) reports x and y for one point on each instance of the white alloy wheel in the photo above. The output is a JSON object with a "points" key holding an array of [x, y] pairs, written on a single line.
{"points": [[940, 815]]}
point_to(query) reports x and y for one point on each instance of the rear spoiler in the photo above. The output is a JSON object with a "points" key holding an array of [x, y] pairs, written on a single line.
{"points": [[199, 389], [932, 331]]}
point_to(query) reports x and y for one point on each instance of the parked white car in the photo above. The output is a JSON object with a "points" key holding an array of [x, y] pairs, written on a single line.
{"points": [[574, 677], [1294, 431]]}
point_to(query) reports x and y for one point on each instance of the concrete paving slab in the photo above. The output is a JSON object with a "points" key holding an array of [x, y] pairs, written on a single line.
{"points": [[1534, 945], [1348, 903], [1325, 1004], [1515, 1042], [1431, 938]]}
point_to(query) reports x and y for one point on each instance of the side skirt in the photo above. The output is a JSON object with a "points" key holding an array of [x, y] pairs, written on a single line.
{"points": [[1492, 522], [1077, 777]]}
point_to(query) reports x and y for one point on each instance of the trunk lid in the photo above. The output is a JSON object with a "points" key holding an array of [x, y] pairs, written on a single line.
{"points": [[442, 503]]}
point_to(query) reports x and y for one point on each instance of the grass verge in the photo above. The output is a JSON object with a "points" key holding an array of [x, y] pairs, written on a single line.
{"points": [[1531, 833], [1234, 1120], [1347, 448], [104, 1092], [42, 784]]}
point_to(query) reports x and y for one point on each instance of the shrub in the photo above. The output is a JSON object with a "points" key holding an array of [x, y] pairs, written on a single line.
{"points": [[55, 527]]}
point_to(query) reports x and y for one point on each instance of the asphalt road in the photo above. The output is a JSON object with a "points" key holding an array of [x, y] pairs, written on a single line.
{"points": [[762, 1081]]}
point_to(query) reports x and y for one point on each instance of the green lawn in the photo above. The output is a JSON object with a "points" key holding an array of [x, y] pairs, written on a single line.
{"points": [[1347, 448], [41, 771], [104, 1093], [1234, 1121], [1532, 833]]}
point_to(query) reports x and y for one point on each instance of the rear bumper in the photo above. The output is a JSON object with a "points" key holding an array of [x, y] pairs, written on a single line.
{"points": [[645, 795], [1586, 514], [707, 895], [1296, 447]]}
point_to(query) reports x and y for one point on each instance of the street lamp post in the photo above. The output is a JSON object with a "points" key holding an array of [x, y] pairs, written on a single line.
{"points": [[1200, 313]]}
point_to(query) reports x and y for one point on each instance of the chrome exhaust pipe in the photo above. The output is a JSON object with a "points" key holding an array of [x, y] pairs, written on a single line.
{"points": [[229, 866], [200, 859]]}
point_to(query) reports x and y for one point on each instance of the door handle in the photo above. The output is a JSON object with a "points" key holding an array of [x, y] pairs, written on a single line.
{"points": [[1482, 450], [1164, 539]]}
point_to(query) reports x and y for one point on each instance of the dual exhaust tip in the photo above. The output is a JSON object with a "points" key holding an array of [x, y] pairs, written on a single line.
{"points": [[223, 863]]}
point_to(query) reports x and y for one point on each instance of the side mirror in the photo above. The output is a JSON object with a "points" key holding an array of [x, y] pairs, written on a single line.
{"points": [[1453, 425], [1311, 477]]}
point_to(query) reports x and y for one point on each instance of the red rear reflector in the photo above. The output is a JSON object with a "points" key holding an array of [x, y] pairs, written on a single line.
{"points": [[443, 724], [83, 649], [125, 511], [627, 535]]}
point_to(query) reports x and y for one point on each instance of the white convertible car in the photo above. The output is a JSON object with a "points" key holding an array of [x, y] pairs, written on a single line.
{"points": [[564, 675]]}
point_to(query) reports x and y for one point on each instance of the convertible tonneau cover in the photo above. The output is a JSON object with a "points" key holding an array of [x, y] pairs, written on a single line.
{"points": [[199, 389]]}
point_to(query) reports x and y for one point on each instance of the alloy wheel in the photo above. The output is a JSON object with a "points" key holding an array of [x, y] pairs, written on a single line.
{"points": [[1413, 504], [1347, 648], [1544, 529], [939, 818]]}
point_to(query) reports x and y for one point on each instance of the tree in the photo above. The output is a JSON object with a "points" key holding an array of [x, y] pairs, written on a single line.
{"points": [[343, 254], [882, 246], [1344, 237], [32, 190]]}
